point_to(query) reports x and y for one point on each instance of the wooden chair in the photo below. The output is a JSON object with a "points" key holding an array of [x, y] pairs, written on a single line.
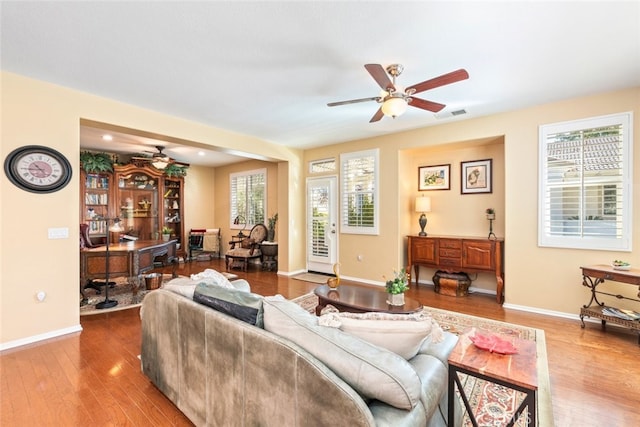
{"points": [[242, 251]]}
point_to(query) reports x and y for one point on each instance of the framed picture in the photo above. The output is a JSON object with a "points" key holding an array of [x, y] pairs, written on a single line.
{"points": [[434, 177], [476, 177]]}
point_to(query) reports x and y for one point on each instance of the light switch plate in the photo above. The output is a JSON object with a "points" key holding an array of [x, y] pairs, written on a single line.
{"points": [[58, 233]]}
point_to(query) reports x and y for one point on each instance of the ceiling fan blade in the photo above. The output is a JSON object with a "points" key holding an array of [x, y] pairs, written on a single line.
{"points": [[353, 101], [377, 116], [426, 105], [445, 79], [380, 75]]}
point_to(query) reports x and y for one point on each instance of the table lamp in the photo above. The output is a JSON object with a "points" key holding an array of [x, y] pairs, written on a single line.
{"points": [[423, 204], [115, 228]]}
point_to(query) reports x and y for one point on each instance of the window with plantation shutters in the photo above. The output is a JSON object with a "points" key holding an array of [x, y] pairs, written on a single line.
{"points": [[586, 184], [248, 198], [359, 192]]}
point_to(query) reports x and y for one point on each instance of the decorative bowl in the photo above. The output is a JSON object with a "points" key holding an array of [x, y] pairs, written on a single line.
{"points": [[621, 265]]}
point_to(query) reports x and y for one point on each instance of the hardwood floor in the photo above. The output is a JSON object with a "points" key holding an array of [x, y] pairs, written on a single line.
{"points": [[93, 377]]}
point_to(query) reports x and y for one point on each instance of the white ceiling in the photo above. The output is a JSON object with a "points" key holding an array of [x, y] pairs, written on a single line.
{"points": [[269, 68]]}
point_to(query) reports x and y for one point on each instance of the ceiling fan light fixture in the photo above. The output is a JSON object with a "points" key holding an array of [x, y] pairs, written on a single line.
{"points": [[160, 163], [394, 107]]}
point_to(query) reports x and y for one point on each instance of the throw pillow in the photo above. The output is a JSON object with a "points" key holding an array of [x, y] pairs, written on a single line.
{"points": [[247, 243], [182, 286], [212, 276], [402, 334], [245, 306], [372, 371]]}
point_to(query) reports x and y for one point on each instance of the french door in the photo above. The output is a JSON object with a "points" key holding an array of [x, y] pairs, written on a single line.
{"points": [[322, 234]]}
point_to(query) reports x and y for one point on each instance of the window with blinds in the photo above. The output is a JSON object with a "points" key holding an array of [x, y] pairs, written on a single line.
{"points": [[322, 166], [359, 184], [585, 184], [248, 198]]}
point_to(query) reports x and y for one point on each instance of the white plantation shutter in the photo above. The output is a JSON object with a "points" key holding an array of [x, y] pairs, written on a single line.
{"points": [[585, 183], [359, 185], [248, 197]]}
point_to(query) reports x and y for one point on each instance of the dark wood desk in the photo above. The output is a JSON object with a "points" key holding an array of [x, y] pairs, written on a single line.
{"points": [[358, 299], [128, 259], [455, 254]]}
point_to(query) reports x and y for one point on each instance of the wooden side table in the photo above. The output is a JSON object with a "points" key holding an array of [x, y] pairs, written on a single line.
{"points": [[595, 275], [515, 371]]}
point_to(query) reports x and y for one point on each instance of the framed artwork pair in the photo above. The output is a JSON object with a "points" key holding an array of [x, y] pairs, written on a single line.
{"points": [[475, 177]]}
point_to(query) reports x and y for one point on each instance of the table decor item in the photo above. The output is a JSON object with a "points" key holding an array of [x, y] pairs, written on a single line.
{"points": [[621, 265], [492, 343], [491, 215], [397, 286]]}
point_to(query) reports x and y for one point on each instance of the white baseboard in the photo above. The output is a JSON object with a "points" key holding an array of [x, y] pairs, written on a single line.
{"points": [[542, 311], [40, 337]]}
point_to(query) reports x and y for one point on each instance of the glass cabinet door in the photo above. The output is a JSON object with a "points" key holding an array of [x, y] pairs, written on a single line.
{"points": [[138, 196]]}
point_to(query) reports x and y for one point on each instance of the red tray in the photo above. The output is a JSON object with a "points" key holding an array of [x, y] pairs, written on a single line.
{"points": [[493, 344]]}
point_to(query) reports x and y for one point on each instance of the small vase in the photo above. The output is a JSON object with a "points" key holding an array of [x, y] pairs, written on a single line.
{"points": [[271, 235], [165, 237], [395, 299]]}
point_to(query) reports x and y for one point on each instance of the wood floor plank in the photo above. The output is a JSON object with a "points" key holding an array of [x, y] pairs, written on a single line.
{"points": [[94, 378]]}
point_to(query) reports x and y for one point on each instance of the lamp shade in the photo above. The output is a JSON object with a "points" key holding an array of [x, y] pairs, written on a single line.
{"points": [[423, 204], [394, 107], [160, 164]]}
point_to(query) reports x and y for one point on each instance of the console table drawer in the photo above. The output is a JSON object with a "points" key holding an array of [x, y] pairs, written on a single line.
{"points": [[450, 253], [450, 262], [449, 244]]}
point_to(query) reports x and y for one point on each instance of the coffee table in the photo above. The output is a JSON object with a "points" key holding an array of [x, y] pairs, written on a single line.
{"points": [[359, 299], [515, 371]]}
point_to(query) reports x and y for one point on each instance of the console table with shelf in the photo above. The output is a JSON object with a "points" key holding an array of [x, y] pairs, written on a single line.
{"points": [[458, 254], [592, 277]]}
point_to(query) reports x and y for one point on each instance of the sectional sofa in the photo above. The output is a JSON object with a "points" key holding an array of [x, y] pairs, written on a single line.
{"points": [[285, 370]]}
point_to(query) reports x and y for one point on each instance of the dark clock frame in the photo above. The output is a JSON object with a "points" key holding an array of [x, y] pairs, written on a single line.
{"points": [[16, 179]]}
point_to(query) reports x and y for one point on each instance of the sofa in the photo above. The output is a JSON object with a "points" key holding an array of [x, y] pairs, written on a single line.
{"points": [[222, 371]]}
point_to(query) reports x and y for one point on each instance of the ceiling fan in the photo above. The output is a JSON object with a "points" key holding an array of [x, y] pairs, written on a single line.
{"points": [[158, 159], [394, 98]]}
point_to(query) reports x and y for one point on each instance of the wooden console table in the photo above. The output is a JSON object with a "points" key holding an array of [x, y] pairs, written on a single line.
{"points": [[458, 254], [130, 259], [595, 275]]}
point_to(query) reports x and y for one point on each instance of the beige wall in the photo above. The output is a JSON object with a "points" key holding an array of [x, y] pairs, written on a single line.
{"points": [[541, 279], [199, 196], [544, 279], [35, 112]]}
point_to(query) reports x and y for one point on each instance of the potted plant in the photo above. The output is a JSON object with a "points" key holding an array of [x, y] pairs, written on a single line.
{"points": [[491, 214], [397, 287], [271, 232], [166, 233], [174, 170], [96, 162]]}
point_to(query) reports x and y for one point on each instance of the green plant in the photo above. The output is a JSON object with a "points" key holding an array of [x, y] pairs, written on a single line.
{"points": [[272, 221], [167, 230], [489, 211], [176, 170], [399, 284], [96, 162]]}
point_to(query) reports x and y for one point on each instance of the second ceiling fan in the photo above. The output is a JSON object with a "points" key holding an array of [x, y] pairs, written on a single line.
{"points": [[395, 99]]}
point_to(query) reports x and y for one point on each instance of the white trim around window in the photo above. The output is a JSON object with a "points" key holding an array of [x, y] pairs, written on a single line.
{"points": [[586, 183]]}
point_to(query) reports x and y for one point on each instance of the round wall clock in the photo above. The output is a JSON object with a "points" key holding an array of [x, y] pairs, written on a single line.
{"points": [[37, 169]]}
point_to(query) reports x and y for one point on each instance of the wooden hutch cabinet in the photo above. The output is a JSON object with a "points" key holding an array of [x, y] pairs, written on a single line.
{"points": [[146, 201], [458, 254], [95, 199]]}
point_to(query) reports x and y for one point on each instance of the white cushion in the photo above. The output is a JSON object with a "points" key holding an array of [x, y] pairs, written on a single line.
{"points": [[186, 286], [372, 371], [402, 334]]}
